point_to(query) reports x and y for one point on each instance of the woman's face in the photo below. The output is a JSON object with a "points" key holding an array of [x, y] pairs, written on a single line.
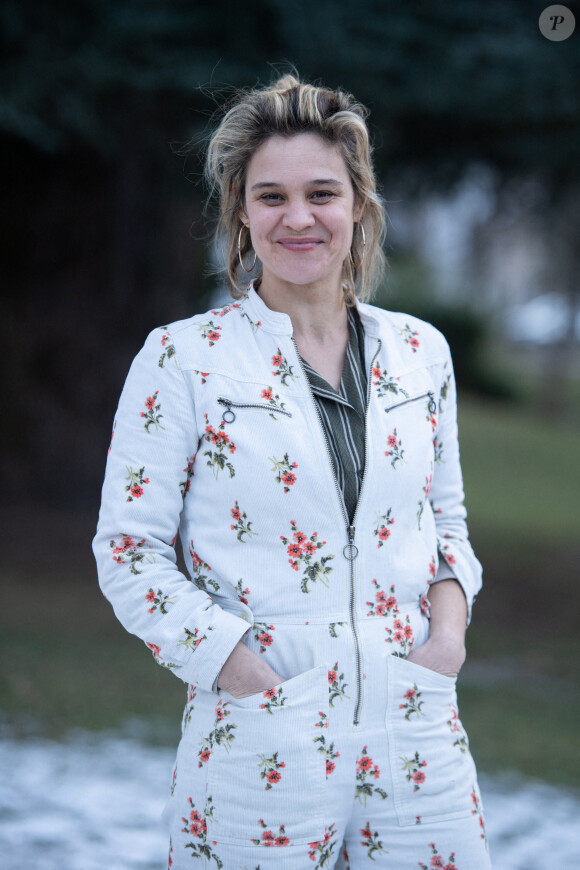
{"points": [[300, 208]]}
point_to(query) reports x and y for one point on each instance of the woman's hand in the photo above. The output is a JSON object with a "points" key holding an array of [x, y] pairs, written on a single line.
{"points": [[245, 673], [444, 651], [443, 654]]}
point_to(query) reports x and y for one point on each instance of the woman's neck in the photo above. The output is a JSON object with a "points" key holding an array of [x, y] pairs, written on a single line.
{"points": [[317, 313]]}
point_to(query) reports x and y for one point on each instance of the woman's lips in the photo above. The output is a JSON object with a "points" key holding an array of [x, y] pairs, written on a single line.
{"points": [[300, 245]]}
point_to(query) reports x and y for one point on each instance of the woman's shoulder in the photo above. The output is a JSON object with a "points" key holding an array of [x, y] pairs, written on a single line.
{"points": [[407, 329]]}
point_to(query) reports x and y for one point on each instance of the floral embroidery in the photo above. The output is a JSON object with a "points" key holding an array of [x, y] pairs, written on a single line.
{"points": [[332, 628], [438, 862], [282, 369], [210, 331], [328, 751], [225, 309], [198, 566], [402, 634], [321, 850], [414, 772], [218, 460], [370, 840], [268, 837], [395, 448], [433, 564], [129, 550], [155, 651], [301, 549], [365, 769], [386, 384], [243, 525], [384, 604], [381, 531], [426, 490], [274, 699], [185, 484], [196, 825], [159, 601], [242, 593], [273, 399], [336, 684], [169, 352], [284, 471], [191, 640], [221, 734], [137, 481], [412, 703], [478, 811], [456, 727], [409, 336], [203, 376], [438, 451], [444, 392], [270, 769], [262, 635], [447, 555], [152, 415], [251, 322], [189, 707]]}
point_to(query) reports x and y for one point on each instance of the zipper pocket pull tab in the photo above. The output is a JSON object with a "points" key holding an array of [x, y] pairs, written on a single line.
{"points": [[231, 416], [350, 550], [432, 406]]}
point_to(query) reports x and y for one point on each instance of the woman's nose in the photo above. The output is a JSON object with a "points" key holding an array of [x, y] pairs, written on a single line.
{"points": [[298, 214]]}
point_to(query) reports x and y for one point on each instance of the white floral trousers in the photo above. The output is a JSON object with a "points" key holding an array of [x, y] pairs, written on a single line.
{"points": [[285, 778]]}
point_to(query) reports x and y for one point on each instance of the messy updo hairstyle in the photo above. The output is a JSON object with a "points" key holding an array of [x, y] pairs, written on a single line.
{"points": [[285, 108]]}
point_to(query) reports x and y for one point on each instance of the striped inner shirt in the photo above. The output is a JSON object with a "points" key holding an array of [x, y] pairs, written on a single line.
{"points": [[343, 414]]}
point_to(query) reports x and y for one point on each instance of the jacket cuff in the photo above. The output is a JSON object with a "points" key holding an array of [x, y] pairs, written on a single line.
{"points": [[205, 664]]}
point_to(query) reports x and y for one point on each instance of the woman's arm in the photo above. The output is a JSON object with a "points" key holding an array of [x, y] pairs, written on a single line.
{"points": [[153, 446], [444, 651]]}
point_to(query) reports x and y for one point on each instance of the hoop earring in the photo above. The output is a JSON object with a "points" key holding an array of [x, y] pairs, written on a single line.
{"points": [[253, 266], [358, 265]]}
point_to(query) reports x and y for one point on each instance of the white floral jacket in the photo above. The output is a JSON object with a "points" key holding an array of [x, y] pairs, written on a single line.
{"points": [[217, 436]]}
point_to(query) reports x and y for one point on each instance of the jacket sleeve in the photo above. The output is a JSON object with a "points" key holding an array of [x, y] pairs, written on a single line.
{"points": [[447, 496], [152, 450]]}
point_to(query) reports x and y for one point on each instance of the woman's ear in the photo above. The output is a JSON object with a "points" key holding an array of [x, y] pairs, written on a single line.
{"points": [[358, 212], [241, 211]]}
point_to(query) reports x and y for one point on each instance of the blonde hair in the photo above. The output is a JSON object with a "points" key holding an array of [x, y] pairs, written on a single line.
{"points": [[285, 108]]}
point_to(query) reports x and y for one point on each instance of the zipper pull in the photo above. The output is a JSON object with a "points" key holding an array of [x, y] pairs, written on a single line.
{"points": [[350, 550], [228, 411], [432, 406]]}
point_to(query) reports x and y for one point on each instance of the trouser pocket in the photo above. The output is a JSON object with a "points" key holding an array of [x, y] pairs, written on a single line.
{"points": [[266, 779], [431, 766]]}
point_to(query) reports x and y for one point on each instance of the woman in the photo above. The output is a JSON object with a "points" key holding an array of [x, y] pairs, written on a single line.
{"points": [[304, 444]]}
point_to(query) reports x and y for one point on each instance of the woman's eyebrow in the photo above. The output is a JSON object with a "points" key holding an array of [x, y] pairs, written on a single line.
{"points": [[327, 182]]}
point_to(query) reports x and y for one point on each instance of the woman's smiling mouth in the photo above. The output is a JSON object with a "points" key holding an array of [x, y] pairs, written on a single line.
{"points": [[300, 245]]}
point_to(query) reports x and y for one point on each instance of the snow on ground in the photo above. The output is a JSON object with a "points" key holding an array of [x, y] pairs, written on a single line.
{"points": [[94, 803]]}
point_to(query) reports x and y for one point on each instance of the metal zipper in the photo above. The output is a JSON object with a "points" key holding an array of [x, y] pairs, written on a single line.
{"points": [[354, 553], [429, 394], [231, 404], [350, 550]]}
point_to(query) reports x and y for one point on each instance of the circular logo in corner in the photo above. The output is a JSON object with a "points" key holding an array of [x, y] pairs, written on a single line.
{"points": [[557, 23]]}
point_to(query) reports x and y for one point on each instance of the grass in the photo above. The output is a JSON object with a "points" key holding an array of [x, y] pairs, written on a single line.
{"points": [[522, 473], [66, 662]]}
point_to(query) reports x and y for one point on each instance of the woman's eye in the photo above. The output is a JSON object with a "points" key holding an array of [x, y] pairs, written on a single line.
{"points": [[271, 197], [322, 195]]}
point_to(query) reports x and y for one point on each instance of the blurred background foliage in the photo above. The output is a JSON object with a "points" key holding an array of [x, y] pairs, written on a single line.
{"points": [[104, 236]]}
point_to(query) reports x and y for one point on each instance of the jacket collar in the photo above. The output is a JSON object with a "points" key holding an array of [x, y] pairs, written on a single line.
{"points": [[279, 323]]}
